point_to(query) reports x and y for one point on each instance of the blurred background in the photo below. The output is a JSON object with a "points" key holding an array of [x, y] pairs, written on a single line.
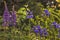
{"points": [[43, 13], [19, 3]]}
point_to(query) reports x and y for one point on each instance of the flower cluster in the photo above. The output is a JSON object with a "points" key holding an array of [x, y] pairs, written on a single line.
{"points": [[29, 14], [14, 17], [56, 25], [46, 12], [9, 19], [6, 16], [43, 32]]}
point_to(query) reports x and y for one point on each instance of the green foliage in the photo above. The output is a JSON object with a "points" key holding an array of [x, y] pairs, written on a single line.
{"points": [[22, 12]]}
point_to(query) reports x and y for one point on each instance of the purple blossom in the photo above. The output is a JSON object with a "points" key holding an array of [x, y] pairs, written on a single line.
{"points": [[57, 25], [36, 31], [13, 16], [45, 32], [5, 24], [46, 12], [10, 22], [41, 32], [6, 16], [39, 28], [54, 23], [29, 16]]}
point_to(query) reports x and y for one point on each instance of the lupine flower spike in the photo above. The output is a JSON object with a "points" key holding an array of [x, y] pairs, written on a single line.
{"points": [[6, 16], [13, 16]]}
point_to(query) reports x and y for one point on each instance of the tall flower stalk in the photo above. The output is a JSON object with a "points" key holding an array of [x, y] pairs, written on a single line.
{"points": [[6, 16], [13, 16]]}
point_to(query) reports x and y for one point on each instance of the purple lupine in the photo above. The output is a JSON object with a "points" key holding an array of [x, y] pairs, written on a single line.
{"points": [[46, 12], [59, 31], [13, 16], [6, 16], [10, 22]]}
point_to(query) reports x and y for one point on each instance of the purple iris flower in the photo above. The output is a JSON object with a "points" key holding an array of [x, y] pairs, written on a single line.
{"points": [[54, 23], [47, 12], [36, 31], [57, 25], [45, 32], [41, 32], [38, 27], [29, 16]]}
